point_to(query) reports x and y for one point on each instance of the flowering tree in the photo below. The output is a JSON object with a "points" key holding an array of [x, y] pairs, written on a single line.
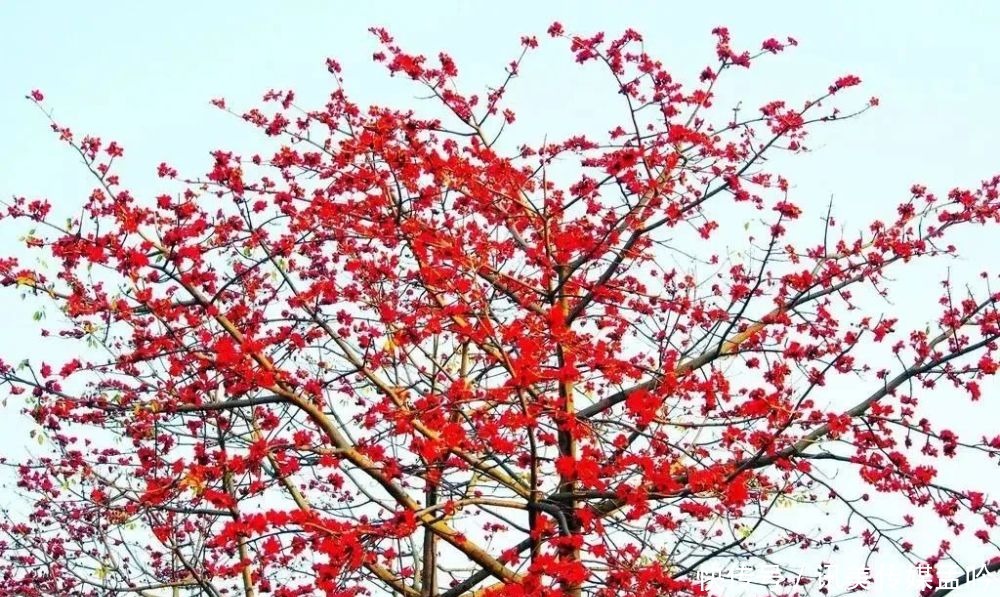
{"points": [[401, 355]]}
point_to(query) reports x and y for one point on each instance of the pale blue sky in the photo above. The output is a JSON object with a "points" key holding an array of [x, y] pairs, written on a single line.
{"points": [[142, 73]]}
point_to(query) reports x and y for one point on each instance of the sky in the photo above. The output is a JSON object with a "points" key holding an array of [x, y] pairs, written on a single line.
{"points": [[143, 74]]}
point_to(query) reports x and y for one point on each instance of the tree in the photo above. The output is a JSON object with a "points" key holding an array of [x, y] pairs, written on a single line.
{"points": [[400, 355]]}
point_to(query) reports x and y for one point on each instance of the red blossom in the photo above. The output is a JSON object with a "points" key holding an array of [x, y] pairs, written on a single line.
{"points": [[845, 82]]}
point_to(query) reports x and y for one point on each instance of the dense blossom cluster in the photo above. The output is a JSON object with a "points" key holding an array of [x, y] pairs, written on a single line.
{"points": [[396, 356]]}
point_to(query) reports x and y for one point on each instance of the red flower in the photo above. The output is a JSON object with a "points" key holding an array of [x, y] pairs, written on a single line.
{"points": [[225, 352], [844, 82], [772, 45]]}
